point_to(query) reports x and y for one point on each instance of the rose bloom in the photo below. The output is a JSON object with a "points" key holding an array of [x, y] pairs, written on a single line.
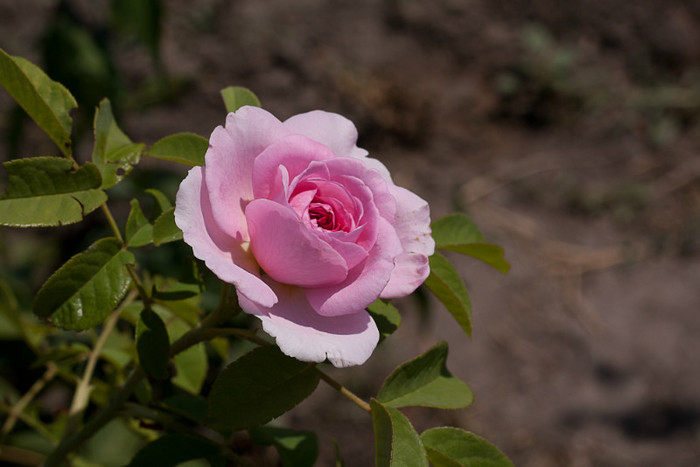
{"points": [[307, 227]]}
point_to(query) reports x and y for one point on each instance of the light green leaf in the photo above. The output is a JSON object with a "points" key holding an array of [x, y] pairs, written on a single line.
{"points": [[184, 148], [259, 386], [457, 232], [164, 228], [152, 344], [396, 442], [114, 153], [174, 449], [139, 231], [48, 192], [47, 102], [295, 448], [87, 288], [444, 282], [386, 316], [236, 97], [453, 447], [425, 381]]}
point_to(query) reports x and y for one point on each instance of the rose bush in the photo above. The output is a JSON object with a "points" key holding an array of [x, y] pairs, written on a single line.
{"points": [[307, 227]]}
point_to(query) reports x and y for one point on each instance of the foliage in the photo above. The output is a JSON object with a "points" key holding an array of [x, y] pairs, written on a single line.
{"points": [[138, 370]]}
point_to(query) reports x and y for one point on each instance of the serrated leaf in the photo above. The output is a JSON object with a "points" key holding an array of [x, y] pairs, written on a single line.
{"points": [[386, 316], [457, 232], [425, 381], [444, 282], [259, 386], [453, 447], [173, 449], [184, 148], [48, 192], [139, 231], [153, 344], [396, 442], [295, 448], [236, 97], [114, 153], [47, 102], [164, 228], [86, 288]]}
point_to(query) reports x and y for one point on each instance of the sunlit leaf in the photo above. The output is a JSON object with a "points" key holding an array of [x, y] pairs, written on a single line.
{"points": [[153, 344], [425, 381], [386, 316], [446, 284], [114, 153], [139, 231], [47, 102], [457, 232], [184, 148], [396, 442], [47, 192], [164, 228], [174, 449], [453, 447], [236, 97], [259, 386], [87, 288], [295, 448]]}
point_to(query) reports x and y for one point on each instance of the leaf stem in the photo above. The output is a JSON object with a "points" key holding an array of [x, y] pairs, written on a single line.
{"points": [[112, 223], [345, 391]]}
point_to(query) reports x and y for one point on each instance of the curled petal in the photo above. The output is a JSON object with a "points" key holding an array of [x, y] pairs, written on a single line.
{"points": [[333, 130]]}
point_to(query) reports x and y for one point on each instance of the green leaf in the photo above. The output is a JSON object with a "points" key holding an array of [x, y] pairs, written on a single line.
{"points": [[47, 102], [10, 321], [114, 153], [191, 285], [453, 447], [386, 316], [162, 201], [295, 448], [457, 232], [164, 228], [191, 365], [184, 148], [236, 97], [153, 344], [444, 282], [396, 442], [87, 288], [139, 231], [425, 381], [173, 449], [48, 192], [259, 386]]}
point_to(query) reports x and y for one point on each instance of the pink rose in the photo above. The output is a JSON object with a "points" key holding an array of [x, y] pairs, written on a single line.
{"points": [[308, 229]]}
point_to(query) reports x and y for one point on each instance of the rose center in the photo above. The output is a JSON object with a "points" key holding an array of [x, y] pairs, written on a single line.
{"points": [[323, 216]]}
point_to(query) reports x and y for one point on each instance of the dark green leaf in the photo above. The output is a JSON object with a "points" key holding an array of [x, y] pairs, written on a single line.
{"points": [[47, 102], [457, 232], [185, 148], [164, 228], [173, 449], [444, 282], [188, 405], [236, 97], [396, 442], [453, 447], [47, 192], [425, 381], [153, 344], [162, 201], [139, 231], [386, 316], [191, 365], [114, 153], [87, 288], [295, 448], [259, 386]]}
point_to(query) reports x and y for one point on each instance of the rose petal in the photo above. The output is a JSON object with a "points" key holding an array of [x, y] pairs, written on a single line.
{"points": [[303, 334], [288, 251], [412, 224], [333, 130], [229, 164], [365, 282], [222, 254]]}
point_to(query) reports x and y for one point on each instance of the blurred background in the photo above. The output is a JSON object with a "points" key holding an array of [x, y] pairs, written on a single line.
{"points": [[568, 130]]}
